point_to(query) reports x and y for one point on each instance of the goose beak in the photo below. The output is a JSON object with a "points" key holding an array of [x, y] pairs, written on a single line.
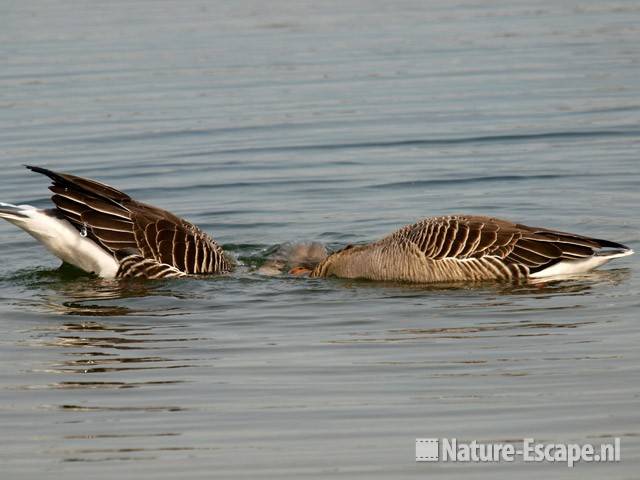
{"points": [[299, 271]]}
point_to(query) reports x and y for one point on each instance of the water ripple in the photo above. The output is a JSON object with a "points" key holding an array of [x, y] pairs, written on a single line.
{"points": [[487, 179], [513, 138]]}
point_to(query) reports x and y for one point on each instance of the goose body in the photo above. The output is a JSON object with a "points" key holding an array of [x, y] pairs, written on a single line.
{"points": [[104, 231], [464, 248]]}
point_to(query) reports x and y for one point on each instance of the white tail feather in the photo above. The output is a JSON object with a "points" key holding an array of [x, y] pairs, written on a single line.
{"points": [[61, 238], [9, 211], [573, 267]]}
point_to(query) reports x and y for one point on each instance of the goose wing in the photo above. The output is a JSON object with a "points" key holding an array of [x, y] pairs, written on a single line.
{"points": [[128, 228], [463, 237]]}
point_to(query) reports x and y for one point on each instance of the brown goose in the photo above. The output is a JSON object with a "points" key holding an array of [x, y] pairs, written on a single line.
{"points": [[104, 231], [468, 248]]}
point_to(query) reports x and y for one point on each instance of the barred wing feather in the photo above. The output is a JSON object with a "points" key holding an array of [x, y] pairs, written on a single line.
{"points": [[464, 237], [135, 231]]}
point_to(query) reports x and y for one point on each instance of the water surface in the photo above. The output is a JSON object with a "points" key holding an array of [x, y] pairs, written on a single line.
{"points": [[329, 122]]}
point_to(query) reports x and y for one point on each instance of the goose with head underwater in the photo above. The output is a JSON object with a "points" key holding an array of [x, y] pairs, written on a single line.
{"points": [[104, 231], [466, 248]]}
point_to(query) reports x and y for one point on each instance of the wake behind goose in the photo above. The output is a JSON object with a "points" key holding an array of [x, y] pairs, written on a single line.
{"points": [[104, 231], [465, 248]]}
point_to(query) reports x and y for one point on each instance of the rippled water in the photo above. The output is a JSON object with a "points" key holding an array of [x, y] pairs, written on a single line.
{"points": [[282, 122]]}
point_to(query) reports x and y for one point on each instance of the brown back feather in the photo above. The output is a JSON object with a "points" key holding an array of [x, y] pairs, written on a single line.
{"points": [[476, 237], [125, 227]]}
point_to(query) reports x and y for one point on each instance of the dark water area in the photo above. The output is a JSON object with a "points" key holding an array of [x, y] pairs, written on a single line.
{"points": [[267, 123]]}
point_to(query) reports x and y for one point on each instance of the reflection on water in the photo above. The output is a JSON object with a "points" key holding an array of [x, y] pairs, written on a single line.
{"points": [[101, 344], [69, 291], [146, 408], [463, 333], [129, 370], [92, 356], [575, 284], [121, 435], [277, 122]]}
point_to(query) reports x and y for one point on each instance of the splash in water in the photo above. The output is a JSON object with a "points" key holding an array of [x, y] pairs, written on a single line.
{"points": [[290, 255]]}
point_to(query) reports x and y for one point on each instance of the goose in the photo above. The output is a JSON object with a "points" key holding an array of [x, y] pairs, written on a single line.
{"points": [[466, 248], [104, 231]]}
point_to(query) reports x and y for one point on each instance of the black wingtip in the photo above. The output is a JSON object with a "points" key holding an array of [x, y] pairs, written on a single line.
{"points": [[83, 185], [44, 171], [610, 244]]}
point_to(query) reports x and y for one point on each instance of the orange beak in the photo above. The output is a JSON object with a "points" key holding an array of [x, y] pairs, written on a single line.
{"points": [[299, 271]]}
